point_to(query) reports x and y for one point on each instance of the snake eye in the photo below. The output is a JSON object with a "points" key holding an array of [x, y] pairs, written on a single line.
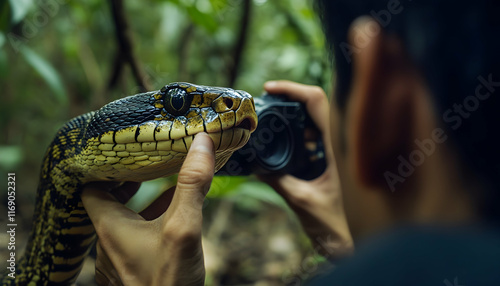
{"points": [[177, 101]]}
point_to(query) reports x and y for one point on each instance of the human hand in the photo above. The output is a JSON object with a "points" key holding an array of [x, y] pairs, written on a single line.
{"points": [[162, 245], [317, 203]]}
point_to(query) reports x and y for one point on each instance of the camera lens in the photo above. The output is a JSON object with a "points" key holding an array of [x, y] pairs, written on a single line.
{"points": [[278, 144], [273, 141]]}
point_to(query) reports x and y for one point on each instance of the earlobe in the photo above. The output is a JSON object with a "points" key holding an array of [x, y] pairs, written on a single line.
{"points": [[379, 125]]}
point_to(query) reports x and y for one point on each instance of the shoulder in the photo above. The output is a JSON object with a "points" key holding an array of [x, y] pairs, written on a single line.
{"points": [[422, 256]]}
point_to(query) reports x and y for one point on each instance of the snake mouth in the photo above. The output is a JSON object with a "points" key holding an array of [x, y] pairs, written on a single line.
{"points": [[236, 127], [229, 140], [154, 159], [247, 124]]}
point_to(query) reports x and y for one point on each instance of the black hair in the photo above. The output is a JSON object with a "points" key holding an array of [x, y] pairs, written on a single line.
{"points": [[456, 46]]}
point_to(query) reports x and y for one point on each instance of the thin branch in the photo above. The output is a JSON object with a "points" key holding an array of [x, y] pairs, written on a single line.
{"points": [[240, 43], [126, 54], [116, 72], [183, 53]]}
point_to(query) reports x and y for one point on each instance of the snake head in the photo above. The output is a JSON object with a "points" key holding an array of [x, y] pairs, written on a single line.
{"points": [[148, 135]]}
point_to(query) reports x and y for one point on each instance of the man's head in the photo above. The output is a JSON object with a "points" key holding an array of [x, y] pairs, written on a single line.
{"points": [[417, 87]]}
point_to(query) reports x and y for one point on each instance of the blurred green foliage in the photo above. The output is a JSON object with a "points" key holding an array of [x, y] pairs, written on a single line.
{"points": [[57, 58]]}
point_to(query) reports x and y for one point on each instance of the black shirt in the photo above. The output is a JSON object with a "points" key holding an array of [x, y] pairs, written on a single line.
{"points": [[441, 256]]}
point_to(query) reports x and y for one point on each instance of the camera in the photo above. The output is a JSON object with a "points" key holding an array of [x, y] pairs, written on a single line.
{"points": [[279, 144]]}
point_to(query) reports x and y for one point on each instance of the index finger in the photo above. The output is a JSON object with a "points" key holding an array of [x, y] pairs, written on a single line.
{"points": [[313, 97], [316, 104], [102, 207]]}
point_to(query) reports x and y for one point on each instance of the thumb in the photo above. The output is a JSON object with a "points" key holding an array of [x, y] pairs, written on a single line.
{"points": [[194, 180]]}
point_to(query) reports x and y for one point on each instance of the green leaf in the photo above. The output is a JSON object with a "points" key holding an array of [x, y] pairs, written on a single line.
{"points": [[47, 72], [259, 192], [150, 191], [202, 19], [2, 39], [5, 14], [19, 9], [218, 5], [10, 157], [224, 185], [3, 63], [262, 192]]}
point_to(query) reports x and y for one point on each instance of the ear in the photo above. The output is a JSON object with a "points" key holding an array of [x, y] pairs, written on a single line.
{"points": [[380, 111]]}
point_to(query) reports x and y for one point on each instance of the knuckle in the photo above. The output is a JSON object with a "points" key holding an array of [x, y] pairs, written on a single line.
{"points": [[188, 234], [300, 199], [104, 233], [101, 229], [181, 233], [194, 176]]}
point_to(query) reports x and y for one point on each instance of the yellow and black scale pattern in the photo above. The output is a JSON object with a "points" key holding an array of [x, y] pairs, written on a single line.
{"points": [[137, 138]]}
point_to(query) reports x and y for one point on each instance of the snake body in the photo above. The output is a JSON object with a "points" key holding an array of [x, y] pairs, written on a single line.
{"points": [[137, 138]]}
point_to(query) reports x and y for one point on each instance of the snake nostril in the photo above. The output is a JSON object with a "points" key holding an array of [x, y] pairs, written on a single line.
{"points": [[228, 102]]}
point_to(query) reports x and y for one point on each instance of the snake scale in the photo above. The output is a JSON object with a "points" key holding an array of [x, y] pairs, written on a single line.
{"points": [[136, 138]]}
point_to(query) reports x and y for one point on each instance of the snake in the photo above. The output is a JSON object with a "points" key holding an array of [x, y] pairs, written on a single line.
{"points": [[136, 138]]}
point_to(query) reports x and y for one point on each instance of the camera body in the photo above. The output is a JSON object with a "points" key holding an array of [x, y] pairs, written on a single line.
{"points": [[278, 144]]}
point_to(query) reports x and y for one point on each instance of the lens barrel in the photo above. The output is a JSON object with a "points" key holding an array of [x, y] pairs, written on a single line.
{"points": [[278, 144]]}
